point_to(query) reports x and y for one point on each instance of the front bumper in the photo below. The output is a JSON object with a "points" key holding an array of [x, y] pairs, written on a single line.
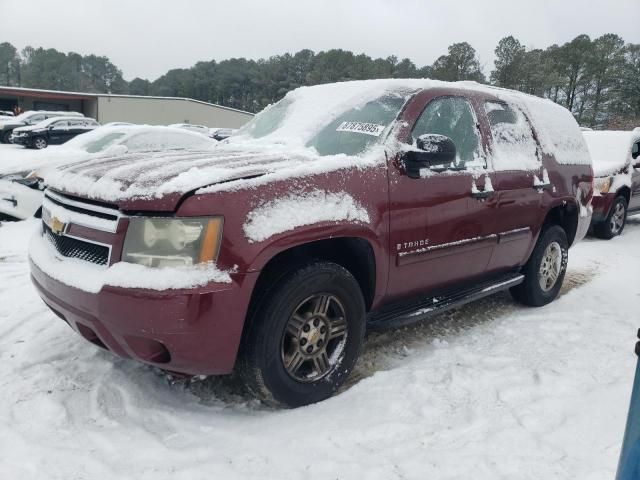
{"points": [[20, 140], [193, 332], [602, 206]]}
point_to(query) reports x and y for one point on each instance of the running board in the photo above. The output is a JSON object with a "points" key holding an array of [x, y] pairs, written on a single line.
{"points": [[417, 309]]}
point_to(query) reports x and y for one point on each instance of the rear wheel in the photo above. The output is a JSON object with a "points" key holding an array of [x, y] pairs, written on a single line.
{"points": [[615, 222], [545, 270], [304, 337], [39, 143], [5, 137]]}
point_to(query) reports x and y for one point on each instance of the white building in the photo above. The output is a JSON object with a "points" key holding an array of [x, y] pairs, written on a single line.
{"points": [[125, 108]]}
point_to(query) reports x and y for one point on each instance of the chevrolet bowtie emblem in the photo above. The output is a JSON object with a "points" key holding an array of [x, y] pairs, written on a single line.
{"points": [[57, 225]]}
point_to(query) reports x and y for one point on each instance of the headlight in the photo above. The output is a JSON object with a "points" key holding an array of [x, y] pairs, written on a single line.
{"points": [[170, 242], [603, 185]]}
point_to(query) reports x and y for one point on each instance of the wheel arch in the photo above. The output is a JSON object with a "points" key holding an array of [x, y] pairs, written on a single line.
{"points": [[624, 192], [565, 215], [355, 254]]}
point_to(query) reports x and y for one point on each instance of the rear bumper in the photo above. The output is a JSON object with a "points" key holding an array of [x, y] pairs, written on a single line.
{"points": [[194, 332]]}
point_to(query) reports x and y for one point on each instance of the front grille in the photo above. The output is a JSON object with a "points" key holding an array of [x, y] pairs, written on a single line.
{"points": [[74, 248]]}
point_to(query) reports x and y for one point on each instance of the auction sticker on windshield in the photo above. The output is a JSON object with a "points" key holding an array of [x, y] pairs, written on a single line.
{"points": [[361, 127]]}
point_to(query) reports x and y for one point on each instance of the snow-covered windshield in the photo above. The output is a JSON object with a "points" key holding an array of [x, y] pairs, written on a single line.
{"points": [[342, 118]]}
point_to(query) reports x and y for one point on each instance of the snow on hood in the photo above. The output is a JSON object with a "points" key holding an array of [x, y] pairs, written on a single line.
{"points": [[610, 150], [150, 175]]}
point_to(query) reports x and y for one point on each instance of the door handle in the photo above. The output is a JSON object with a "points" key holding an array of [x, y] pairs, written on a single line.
{"points": [[481, 194]]}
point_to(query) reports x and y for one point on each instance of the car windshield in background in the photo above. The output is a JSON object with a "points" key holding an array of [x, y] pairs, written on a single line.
{"points": [[267, 121], [350, 133], [103, 142]]}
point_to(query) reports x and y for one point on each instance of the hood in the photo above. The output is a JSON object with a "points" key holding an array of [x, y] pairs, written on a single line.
{"points": [[140, 180], [27, 128]]}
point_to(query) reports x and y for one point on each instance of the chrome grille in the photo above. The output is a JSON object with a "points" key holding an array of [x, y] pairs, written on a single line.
{"points": [[74, 248]]}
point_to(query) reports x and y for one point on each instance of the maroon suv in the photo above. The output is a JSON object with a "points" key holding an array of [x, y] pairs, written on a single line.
{"points": [[341, 208]]}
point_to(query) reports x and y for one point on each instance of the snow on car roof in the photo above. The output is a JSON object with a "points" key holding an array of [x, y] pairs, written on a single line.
{"points": [[310, 108], [610, 149]]}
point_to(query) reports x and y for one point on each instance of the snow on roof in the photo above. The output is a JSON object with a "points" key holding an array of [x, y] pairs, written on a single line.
{"points": [[610, 150]]}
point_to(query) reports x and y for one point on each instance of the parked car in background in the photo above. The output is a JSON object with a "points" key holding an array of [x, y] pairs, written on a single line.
{"points": [[31, 117], [53, 131], [629, 465], [222, 133], [21, 192], [6, 113], [367, 204], [139, 138], [201, 129], [617, 179]]}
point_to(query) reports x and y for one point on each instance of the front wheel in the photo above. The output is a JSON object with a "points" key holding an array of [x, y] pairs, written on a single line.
{"points": [[545, 270], [304, 337], [39, 143], [615, 221]]}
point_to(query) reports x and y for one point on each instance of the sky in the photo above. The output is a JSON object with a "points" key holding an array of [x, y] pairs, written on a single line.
{"points": [[145, 38]]}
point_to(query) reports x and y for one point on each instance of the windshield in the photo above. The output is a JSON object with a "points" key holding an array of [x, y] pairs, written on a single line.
{"points": [[348, 127], [356, 129]]}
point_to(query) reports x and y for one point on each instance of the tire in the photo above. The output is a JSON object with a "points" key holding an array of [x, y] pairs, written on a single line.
{"points": [[5, 137], [312, 320], [615, 222], [548, 260], [39, 143]]}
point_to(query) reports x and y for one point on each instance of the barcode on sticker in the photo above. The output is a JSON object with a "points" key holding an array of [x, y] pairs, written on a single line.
{"points": [[361, 127]]}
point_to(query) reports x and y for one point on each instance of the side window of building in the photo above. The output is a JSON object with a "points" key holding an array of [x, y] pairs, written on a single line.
{"points": [[454, 118], [514, 146]]}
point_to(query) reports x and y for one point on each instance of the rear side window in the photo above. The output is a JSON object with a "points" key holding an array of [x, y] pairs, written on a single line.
{"points": [[454, 118], [514, 147]]}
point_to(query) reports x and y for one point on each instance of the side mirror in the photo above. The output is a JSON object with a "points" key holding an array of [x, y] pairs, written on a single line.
{"points": [[432, 150], [635, 150]]}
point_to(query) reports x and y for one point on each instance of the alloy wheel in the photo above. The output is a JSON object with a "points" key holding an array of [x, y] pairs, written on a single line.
{"points": [[617, 219], [314, 338], [550, 267]]}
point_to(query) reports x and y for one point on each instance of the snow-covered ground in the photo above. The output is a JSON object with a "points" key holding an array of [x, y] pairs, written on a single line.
{"points": [[490, 391]]}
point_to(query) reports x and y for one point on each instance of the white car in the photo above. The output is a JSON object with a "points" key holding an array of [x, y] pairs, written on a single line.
{"points": [[21, 192]]}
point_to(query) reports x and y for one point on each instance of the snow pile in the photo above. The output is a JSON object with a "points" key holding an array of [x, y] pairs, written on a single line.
{"points": [[285, 214], [489, 391], [91, 278], [610, 150]]}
